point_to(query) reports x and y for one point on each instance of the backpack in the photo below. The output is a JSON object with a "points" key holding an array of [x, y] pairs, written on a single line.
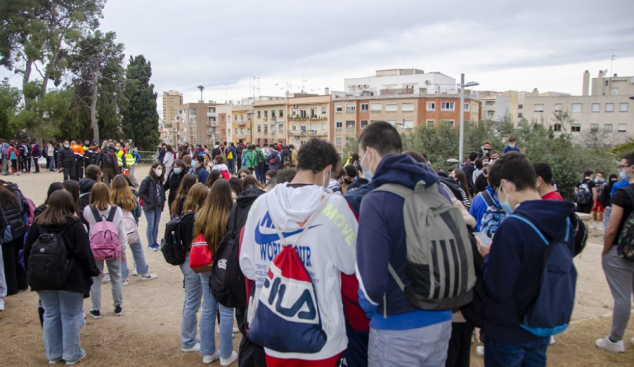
{"points": [[287, 161], [584, 195], [259, 159], [435, 234], [549, 313], [230, 155], [30, 206], [625, 244], [579, 233], [287, 318], [108, 160], [493, 215], [104, 242], [130, 227], [273, 159], [172, 246], [49, 264], [200, 256], [225, 174]]}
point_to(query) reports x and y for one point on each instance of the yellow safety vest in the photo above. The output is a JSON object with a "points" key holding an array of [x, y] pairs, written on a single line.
{"points": [[119, 155], [129, 159]]}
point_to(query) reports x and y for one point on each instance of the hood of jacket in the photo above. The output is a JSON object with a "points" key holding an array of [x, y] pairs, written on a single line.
{"points": [[549, 216], [403, 170], [293, 207], [86, 184], [248, 196]]}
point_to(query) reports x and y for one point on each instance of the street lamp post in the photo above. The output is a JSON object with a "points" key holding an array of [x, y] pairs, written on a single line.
{"points": [[202, 108], [462, 87]]}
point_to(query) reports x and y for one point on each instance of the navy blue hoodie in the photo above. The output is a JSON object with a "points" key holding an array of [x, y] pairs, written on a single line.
{"points": [[512, 268], [381, 238]]}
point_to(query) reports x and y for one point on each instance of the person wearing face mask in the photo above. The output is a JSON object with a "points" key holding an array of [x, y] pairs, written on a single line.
{"points": [[597, 208], [511, 147], [173, 180], [513, 262], [199, 167], [586, 193], [349, 174], [605, 198], [66, 161], [152, 193], [619, 272], [326, 248], [485, 150]]}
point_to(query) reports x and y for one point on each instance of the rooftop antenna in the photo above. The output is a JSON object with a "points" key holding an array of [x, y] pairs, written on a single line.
{"points": [[611, 75], [303, 81]]}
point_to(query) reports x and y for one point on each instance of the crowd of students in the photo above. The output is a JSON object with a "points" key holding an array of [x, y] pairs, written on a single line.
{"points": [[379, 261]]}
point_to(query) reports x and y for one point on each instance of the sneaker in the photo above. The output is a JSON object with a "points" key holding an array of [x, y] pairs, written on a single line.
{"points": [[195, 348], [125, 282], [480, 350], [55, 361], [1, 304], [552, 340], [105, 278], [230, 360], [149, 276], [211, 358], [183, 285], [83, 355], [235, 330], [134, 272], [118, 311], [611, 346], [198, 338], [95, 314]]}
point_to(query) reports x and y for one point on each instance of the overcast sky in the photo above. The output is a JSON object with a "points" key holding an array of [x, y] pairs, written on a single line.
{"points": [[501, 44]]}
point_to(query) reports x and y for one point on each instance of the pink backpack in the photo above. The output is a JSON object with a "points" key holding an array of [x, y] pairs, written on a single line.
{"points": [[130, 227], [104, 242]]}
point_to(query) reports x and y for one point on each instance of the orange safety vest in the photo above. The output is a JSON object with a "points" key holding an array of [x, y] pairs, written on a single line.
{"points": [[77, 149]]}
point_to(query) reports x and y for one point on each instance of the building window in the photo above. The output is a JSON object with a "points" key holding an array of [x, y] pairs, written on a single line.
{"points": [[607, 128], [338, 141], [364, 123], [576, 107], [338, 108], [266, 114], [596, 107], [575, 128], [431, 106], [281, 113], [294, 127], [407, 107], [557, 127], [364, 107], [408, 124], [622, 128], [431, 122], [520, 115], [375, 107], [391, 107], [466, 107], [259, 114], [623, 107], [259, 129], [520, 106], [272, 114], [323, 110], [447, 106], [538, 108], [559, 107], [609, 107], [349, 125], [350, 108], [594, 128], [338, 124]]}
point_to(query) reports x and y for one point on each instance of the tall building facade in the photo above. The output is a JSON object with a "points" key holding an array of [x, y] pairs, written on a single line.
{"points": [[399, 81], [172, 100], [197, 124]]}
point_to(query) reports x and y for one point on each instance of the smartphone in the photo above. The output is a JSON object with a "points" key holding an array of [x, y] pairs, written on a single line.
{"points": [[483, 238]]}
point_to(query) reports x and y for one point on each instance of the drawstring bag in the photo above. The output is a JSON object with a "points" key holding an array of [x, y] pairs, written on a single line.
{"points": [[200, 257]]}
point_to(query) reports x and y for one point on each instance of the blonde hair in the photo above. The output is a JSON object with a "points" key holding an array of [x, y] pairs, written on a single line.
{"points": [[121, 195], [195, 198], [100, 196], [187, 160], [214, 215]]}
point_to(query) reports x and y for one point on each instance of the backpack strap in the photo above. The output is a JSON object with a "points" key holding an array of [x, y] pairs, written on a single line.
{"points": [[487, 198], [113, 211], [395, 189], [309, 221], [541, 235], [95, 213]]}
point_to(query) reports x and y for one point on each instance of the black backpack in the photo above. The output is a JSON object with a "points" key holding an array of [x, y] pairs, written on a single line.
{"points": [[580, 233], [107, 160], [49, 264], [172, 244], [258, 158], [226, 280]]}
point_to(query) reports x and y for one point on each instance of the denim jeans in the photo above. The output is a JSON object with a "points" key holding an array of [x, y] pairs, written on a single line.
{"points": [[259, 173], [499, 354], [191, 305], [50, 163], [3, 280], [114, 269], [139, 259], [153, 218], [62, 322], [426, 346], [230, 166], [606, 218], [208, 322]]}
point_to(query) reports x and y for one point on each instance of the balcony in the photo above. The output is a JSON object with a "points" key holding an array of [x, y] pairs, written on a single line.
{"points": [[211, 130], [318, 132], [297, 117], [350, 127], [241, 122], [212, 114], [397, 91], [212, 123]]}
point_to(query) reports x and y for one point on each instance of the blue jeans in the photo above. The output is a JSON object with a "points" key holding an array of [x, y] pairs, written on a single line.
{"points": [[139, 259], [606, 218], [153, 218], [62, 322], [208, 322], [230, 165], [191, 305], [259, 173], [498, 354]]}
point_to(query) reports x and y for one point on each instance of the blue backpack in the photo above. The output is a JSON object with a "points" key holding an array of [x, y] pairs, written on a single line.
{"points": [[493, 215], [549, 313]]}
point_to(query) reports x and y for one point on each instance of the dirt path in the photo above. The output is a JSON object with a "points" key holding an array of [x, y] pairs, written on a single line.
{"points": [[148, 334]]}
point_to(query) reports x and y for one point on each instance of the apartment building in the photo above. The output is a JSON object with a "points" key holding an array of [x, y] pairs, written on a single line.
{"points": [[224, 113], [309, 117], [172, 100], [241, 123], [269, 120], [389, 81], [197, 124]]}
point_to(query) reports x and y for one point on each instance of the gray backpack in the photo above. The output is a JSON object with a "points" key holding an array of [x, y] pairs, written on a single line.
{"points": [[439, 264]]}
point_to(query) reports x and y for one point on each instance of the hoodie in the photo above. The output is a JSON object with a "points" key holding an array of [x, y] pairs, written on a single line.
{"points": [[512, 268], [381, 240], [273, 154], [326, 249]]}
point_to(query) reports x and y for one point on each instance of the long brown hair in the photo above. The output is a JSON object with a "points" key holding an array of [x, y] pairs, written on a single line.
{"points": [[7, 199], [60, 206], [214, 215], [121, 195], [73, 188], [153, 174], [187, 182], [462, 180], [196, 198], [100, 196]]}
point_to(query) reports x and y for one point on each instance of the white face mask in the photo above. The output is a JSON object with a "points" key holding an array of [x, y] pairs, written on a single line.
{"points": [[158, 172], [326, 178]]}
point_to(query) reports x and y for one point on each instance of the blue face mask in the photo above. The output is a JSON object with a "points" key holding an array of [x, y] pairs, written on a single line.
{"points": [[624, 176], [368, 175], [506, 206], [195, 164], [177, 171]]}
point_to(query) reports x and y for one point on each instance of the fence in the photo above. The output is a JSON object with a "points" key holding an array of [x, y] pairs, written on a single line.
{"points": [[148, 157]]}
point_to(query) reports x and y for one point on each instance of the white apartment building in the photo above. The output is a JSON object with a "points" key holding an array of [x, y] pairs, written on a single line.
{"points": [[401, 81]]}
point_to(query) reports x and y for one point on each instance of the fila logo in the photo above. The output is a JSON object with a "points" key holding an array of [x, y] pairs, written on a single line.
{"points": [[304, 298], [222, 264]]}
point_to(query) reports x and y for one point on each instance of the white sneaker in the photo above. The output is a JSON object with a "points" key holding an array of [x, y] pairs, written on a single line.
{"points": [[125, 281], [197, 338], [552, 340], [105, 278], [610, 346], [230, 360], [134, 272], [236, 330], [149, 276], [1, 304], [195, 348], [211, 358], [480, 350]]}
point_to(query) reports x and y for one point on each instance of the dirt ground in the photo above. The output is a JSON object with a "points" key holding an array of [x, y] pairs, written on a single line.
{"points": [[148, 333]]}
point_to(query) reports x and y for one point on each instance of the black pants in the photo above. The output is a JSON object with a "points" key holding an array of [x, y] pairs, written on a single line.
{"points": [[13, 271], [239, 162], [21, 164], [584, 208], [69, 172], [249, 354], [36, 164], [28, 164], [79, 169], [459, 352]]}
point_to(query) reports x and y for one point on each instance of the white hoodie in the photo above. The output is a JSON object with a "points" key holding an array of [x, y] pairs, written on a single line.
{"points": [[220, 167], [327, 249]]}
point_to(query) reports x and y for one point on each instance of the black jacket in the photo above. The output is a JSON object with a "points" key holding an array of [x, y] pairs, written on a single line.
{"points": [[152, 199], [172, 183], [83, 266], [187, 230], [66, 158]]}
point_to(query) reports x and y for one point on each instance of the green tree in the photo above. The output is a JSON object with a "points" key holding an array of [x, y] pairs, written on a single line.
{"points": [[9, 103], [140, 119]]}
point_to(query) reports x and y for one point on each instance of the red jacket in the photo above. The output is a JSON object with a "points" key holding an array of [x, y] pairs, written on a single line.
{"points": [[12, 149]]}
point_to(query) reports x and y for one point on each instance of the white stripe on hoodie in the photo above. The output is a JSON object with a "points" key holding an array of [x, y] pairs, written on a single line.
{"points": [[327, 249]]}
